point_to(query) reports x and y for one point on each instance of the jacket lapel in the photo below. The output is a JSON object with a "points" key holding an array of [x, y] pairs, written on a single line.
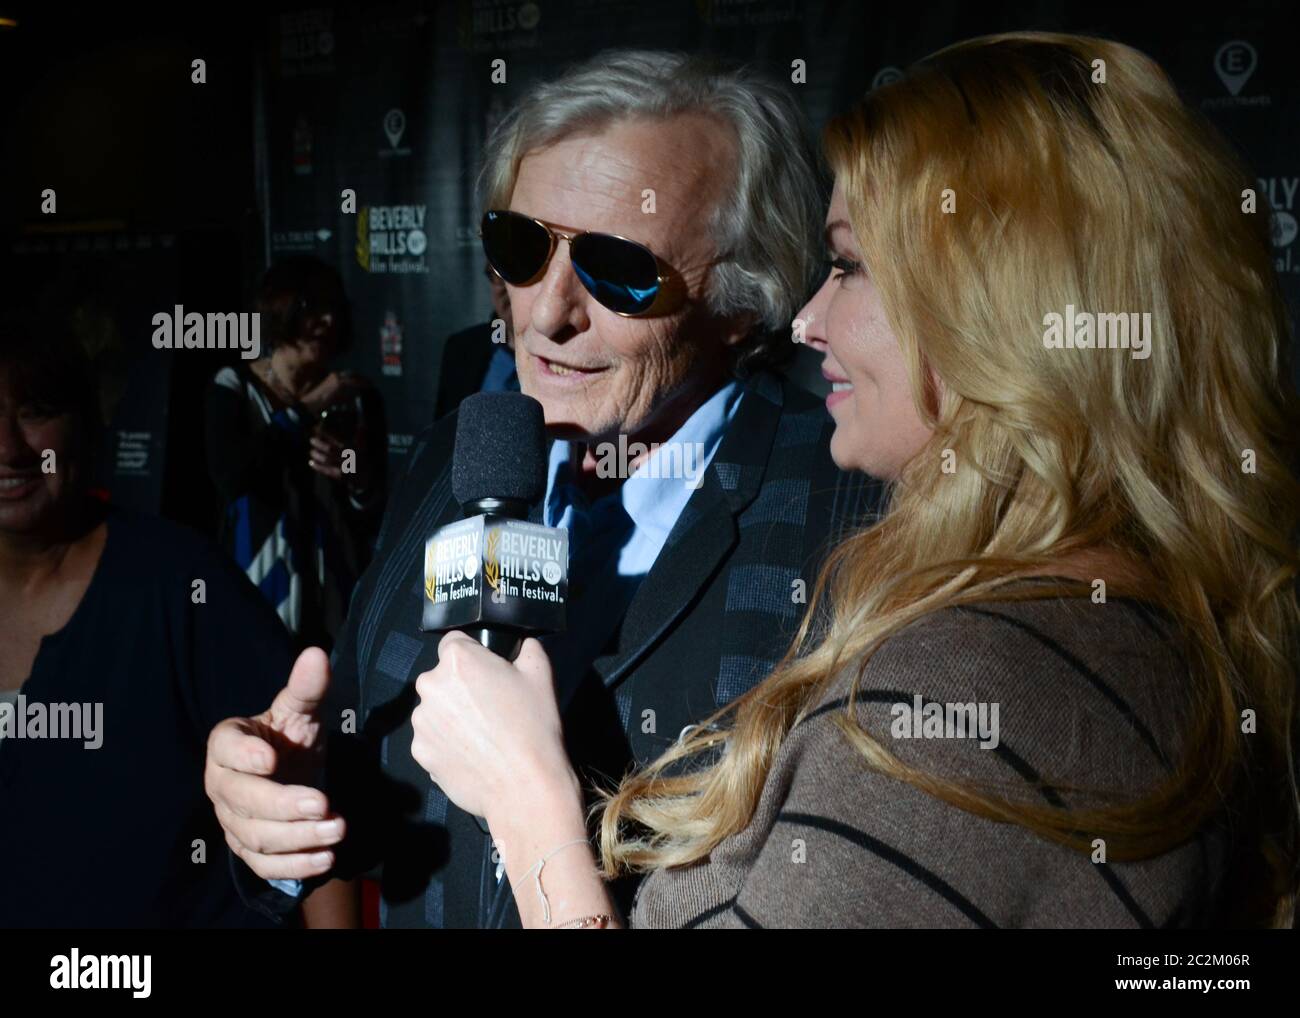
{"points": [[705, 533]]}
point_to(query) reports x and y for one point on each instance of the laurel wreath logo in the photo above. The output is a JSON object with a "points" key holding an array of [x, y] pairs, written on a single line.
{"points": [[490, 566], [429, 573]]}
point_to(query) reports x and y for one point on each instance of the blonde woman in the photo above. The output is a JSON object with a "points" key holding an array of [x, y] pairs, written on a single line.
{"points": [[1089, 545]]}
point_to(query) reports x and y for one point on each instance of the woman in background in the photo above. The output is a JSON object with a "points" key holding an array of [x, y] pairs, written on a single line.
{"points": [[1092, 546], [297, 451], [144, 633]]}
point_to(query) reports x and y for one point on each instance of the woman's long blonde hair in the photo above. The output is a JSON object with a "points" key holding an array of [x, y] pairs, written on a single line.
{"points": [[1079, 178]]}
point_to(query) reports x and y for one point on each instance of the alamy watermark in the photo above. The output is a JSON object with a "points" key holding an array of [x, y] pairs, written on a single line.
{"points": [[79, 722], [675, 460], [934, 720], [182, 330], [77, 971], [1084, 330]]}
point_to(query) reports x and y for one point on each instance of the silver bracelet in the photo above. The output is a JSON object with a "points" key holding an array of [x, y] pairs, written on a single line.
{"points": [[536, 871]]}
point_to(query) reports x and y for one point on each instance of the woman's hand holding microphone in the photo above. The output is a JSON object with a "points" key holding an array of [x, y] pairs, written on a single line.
{"points": [[488, 732]]}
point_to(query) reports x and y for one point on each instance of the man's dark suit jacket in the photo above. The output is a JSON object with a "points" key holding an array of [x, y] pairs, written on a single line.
{"points": [[709, 620], [465, 358]]}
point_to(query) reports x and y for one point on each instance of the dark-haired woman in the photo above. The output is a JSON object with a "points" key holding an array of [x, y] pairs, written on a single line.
{"points": [[123, 639], [297, 452]]}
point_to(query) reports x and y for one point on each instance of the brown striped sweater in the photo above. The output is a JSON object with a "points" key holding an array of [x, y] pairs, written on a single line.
{"points": [[1089, 697]]}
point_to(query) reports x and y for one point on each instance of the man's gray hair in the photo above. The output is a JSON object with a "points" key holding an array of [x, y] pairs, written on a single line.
{"points": [[767, 230]]}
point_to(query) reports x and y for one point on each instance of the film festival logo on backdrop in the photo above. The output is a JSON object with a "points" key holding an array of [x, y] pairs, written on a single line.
{"points": [[1281, 195], [299, 241], [748, 13], [132, 453], [307, 43], [394, 128], [389, 27], [390, 345], [1234, 63], [467, 237], [399, 444], [498, 26], [302, 147], [391, 239]]}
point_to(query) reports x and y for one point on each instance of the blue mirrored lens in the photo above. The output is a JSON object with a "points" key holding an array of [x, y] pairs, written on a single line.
{"points": [[622, 297], [621, 274]]}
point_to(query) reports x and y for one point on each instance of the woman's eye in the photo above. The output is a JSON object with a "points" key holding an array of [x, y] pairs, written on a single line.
{"points": [[845, 267], [37, 412]]}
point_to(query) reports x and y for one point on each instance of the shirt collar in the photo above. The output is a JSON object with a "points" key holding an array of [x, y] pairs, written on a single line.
{"points": [[657, 492]]}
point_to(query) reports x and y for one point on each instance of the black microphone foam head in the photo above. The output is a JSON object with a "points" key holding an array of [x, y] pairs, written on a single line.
{"points": [[500, 448]]}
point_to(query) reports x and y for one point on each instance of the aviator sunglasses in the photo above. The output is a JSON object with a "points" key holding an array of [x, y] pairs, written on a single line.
{"points": [[621, 274]]}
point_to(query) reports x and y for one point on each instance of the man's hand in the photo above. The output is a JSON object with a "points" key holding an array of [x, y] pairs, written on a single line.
{"points": [[260, 773]]}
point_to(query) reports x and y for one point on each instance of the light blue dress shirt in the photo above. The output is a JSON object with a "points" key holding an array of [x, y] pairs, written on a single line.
{"points": [[501, 375], [614, 541], [654, 496]]}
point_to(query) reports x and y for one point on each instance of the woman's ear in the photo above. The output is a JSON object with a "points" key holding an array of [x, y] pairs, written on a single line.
{"points": [[934, 390]]}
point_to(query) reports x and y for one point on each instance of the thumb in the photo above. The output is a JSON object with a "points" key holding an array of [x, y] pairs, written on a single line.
{"points": [[534, 663], [308, 683]]}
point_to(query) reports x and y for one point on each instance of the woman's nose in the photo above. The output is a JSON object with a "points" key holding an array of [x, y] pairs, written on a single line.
{"points": [[12, 444], [809, 323]]}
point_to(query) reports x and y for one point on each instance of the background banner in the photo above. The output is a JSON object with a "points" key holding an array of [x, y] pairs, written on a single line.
{"points": [[395, 103]]}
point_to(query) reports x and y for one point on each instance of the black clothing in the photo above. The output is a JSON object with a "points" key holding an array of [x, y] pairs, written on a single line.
{"points": [[710, 619], [106, 837], [300, 537], [465, 358]]}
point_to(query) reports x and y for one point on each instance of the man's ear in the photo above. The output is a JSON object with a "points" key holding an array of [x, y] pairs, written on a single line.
{"points": [[738, 328]]}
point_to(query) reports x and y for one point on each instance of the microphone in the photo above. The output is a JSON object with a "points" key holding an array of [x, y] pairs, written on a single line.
{"points": [[492, 573]]}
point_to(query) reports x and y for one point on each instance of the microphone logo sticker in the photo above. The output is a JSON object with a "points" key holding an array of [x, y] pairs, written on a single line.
{"points": [[491, 568], [495, 570], [451, 563]]}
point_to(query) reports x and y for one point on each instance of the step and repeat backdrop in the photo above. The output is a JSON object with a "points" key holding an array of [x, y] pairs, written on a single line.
{"points": [[393, 104]]}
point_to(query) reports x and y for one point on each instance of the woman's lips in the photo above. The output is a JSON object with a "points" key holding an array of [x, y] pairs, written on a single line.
{"points": [[840, 391], [16, 487]]}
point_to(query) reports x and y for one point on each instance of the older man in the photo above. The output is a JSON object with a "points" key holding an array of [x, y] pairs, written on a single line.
{"points": [[656, 221]]}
